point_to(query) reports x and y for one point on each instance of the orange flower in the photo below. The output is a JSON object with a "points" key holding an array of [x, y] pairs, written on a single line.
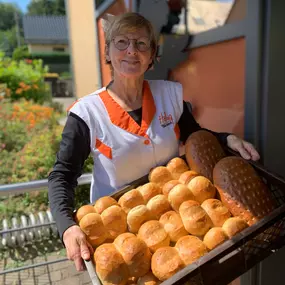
{"points": [[35, 86], [19, 91], [22, 84]]}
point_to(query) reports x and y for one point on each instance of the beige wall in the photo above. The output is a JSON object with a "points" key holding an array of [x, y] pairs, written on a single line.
{"points": [[33, 48], [83, 46]]}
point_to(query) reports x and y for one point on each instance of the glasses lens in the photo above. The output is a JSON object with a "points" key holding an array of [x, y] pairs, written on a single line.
{"points": [[143, 44], [121, 42]]}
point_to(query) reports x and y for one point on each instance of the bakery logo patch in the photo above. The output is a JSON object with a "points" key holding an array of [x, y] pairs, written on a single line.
{"points": [[165, 120]]}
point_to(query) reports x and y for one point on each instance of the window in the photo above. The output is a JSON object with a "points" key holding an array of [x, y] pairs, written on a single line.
{"points": [[59, 49]]}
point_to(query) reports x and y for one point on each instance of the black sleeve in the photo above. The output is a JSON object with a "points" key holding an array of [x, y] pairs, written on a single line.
{"points": [[188, 125], [73, 151]]}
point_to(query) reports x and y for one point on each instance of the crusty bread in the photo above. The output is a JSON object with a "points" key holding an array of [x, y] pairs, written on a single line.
{"points": [[130, 200], [233, 226], [195, 220], [82, 211], [165, 262], [103, 203], [149, 190], [158, 205], [214, 237], [176, 167], [202, 188], [217, 212], [187, 176], [160, 175], [154, 235], [110, 265], [173, 225], [168, 186], [148, 279], [190, 248], [203, 151], [241, 190], [92, 225], [135, 253], [115, 221], [138, 216], [179, 194]]}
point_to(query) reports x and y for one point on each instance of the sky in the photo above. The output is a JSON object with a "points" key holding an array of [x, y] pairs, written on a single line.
{"points": [[21, 3]]}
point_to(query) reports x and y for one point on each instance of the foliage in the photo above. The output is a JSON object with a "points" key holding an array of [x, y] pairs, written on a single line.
{"points": [[21, 52], [24, 79], [7, 15], [46, 7]]}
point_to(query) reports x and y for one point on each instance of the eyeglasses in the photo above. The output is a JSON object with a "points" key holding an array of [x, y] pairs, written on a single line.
{"points": [[122, 43]]}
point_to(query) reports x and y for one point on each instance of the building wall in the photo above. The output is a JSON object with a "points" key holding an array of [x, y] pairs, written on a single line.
{"points": [[36, 48]]}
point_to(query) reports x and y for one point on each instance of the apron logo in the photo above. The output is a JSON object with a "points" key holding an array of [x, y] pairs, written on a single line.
{"points": [[165, 120]]}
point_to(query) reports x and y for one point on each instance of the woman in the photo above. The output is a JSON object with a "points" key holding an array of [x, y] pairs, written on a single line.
{"points": [[129, 127]]}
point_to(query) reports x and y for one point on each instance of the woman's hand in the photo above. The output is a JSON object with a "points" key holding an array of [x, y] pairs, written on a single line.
{"points": [[245, 149], [77, 246]]}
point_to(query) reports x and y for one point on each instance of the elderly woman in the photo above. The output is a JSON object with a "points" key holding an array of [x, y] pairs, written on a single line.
{"points": [[129, 127]]}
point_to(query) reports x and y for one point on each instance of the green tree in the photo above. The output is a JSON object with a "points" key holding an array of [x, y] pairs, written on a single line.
{"points": [[46, 7], [7, 15], [8, 40]]}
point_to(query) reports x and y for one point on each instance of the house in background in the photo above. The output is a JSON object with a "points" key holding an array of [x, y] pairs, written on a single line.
{"points": [[46, 34]]}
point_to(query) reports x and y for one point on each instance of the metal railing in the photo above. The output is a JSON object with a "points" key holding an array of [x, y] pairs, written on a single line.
{"points": [[30, 228]]}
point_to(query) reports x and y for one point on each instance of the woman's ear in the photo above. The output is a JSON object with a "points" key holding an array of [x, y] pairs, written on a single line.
{"points": [[107, 57]]}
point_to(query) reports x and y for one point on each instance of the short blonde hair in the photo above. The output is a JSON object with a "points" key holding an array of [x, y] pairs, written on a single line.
{"points": [[130, 22]]}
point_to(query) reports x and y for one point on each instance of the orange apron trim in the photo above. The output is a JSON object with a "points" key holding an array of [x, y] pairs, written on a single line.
{"points": [[122, 119], [68, 109], [177, 131], [104, 149]]}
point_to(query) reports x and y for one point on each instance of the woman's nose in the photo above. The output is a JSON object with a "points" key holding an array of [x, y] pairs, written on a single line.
{"points": [[132, 47]]}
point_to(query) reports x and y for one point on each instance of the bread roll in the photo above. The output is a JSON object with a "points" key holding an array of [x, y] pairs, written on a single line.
{"points": [[130, 200], [187, 176], [103, 203], [217, 212], [176, 167], [160, 175], [214, 237], [148, 279], [203, 151], [158, 205], [110, 265], [82, 211], [241, 190], [190, 248], [115, 221], [137, 216], [194, 218], [154, 235], [173, 225], [149, 190], [165, 262], [167, 187], [233, 226], [179, 194], [135, 253], [92, 225], [202, 188]]}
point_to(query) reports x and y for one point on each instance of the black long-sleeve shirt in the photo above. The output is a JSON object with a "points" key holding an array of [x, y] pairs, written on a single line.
{"points": [[75, 149]]}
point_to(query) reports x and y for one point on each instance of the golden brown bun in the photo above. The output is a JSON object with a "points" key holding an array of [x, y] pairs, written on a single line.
{"points": [[194, 218], [168, 186], [179, 194], [110, 265], [92, 225], [130, 200], [241, 190], [115, 221], [187, 176], [82, 211], [137, 216], [165, 262], [160, 175], [202, 188], [176, 167], [158, 205], [190, 248], [203, 151], [149, 190], [135, 253], [233, 226], [103, 203], [173, 225], [148, 279], [154, 235], [217, 212], [214, 237]]}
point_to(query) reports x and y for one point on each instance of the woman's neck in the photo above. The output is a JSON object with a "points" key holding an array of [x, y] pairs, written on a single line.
{"points": [[127, 92]]}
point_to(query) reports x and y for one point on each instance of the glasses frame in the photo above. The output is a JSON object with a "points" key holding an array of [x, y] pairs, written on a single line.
{"points": [[129, 42]]}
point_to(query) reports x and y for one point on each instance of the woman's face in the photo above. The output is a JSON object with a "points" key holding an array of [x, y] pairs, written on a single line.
{"points": [[130, 53]]}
